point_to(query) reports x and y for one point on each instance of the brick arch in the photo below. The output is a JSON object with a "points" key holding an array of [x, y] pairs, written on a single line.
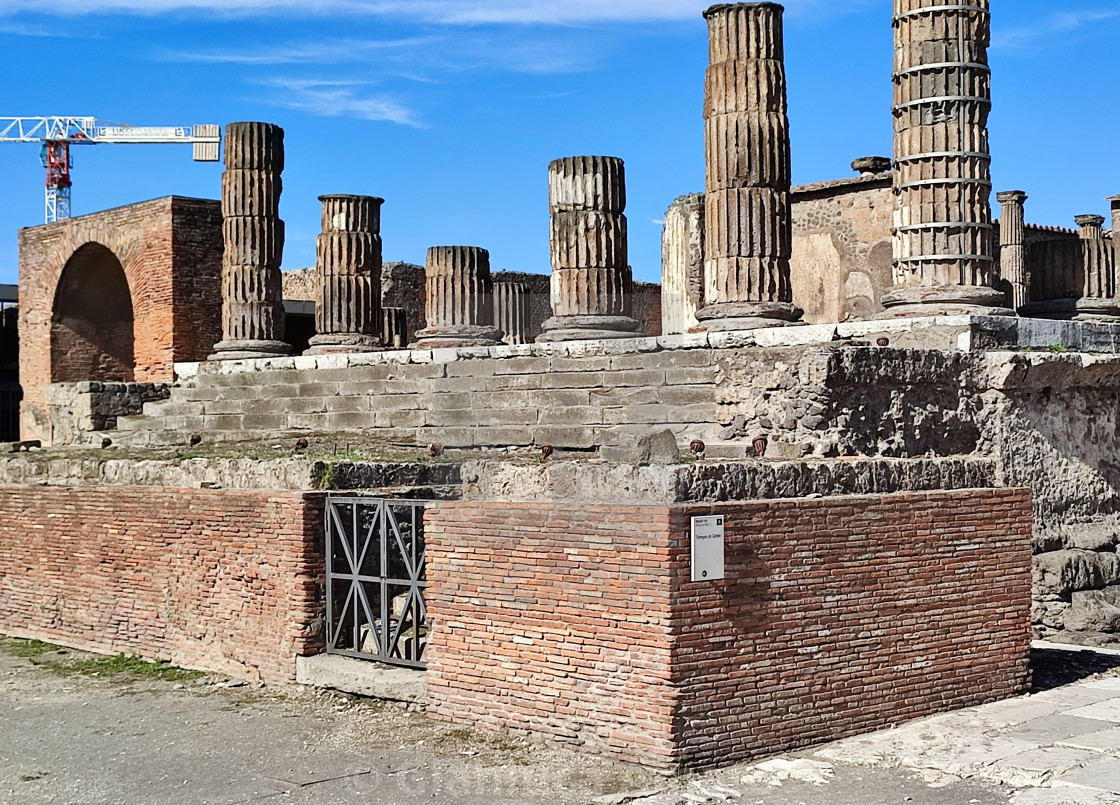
{"points": [[170, 253], [92, 331]]}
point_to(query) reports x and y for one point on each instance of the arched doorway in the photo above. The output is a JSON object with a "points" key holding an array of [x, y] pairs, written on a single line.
{"points": [[92, 320]]}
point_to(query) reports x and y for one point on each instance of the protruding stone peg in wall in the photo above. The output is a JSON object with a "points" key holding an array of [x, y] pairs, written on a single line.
{"points": [[348, 276], [459, 306], [592, 285], [252, 288]]}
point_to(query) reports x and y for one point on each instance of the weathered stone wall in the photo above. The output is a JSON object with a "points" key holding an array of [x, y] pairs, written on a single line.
{"points": [[78, 409], [170, 252], [841, 264], [220, 580], [602, 641]]}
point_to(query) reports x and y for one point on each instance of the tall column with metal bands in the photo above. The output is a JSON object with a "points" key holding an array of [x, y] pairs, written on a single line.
{"points": [[592, 284], [1012, 249], [252, 289], [459, 302], [348, 271], [943, 248], [748, 222]]}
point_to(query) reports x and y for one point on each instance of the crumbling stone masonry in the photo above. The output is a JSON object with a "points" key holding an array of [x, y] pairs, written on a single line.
{"points": [[348, 314], [943, 228], [252, 288], [747, 218], [592, 284], [460, 299]]}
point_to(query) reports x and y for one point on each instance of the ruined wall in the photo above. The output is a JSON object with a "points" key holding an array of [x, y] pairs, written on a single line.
{"points": [[220, 580], [169, 251], [580, 624], [79, 409], [841, 263]]}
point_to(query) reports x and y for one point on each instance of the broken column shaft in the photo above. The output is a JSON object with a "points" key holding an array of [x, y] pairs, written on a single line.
{"points": [[943, 250], [348, 272], [682, 264], [459, 305], [592, 285], [252, 289], [1012, 251], [749, 237], [512, 310]]}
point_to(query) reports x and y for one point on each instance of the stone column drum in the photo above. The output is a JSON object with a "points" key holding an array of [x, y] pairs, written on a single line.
{"points": [[943, 249], [252, 289], [512, 311], [682, 264], [348, 271], [1012, 252], [459, 305], [591, 278], [748, 223]]}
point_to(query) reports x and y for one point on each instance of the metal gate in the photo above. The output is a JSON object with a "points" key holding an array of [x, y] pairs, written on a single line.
{"points": [[375, 580]]}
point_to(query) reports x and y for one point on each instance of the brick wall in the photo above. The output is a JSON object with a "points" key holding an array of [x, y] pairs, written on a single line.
{"points": [[169, 251], [220, 580], [580, 624]]}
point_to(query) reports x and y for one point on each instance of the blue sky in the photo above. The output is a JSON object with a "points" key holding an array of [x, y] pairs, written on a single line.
{"points": [[452, 109]]}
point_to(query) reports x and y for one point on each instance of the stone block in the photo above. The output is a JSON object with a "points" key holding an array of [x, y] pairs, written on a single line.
{"points": [[571, 437], [1092, 611], [657, 448], [262, 422], [350, 421], [699, 375], [449, 401], [1064, 572], [640, 415], [592, 364], [556, 415], [635, 377]]}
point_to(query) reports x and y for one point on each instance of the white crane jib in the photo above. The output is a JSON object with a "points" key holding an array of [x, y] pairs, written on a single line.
{"points": [[57, 134]]}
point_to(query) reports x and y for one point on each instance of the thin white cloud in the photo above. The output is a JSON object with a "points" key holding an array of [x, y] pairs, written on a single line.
{"points": [[329, 51], [1054, 29], [338, 99], [446, 12], [417, 58]]}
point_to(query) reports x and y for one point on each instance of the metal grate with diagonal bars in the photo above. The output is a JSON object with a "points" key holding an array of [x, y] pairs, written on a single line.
{"points": [[376, 580]]}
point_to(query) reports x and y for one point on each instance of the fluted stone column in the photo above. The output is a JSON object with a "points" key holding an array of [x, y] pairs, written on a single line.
{"points": [[1077, 279], [348, 271], [252, 289], [592, 284], [1012, 251], [749, 236], [459, 306], [1115, 202], [394, 327], [512, 312], [682, 264], [943, 222]]}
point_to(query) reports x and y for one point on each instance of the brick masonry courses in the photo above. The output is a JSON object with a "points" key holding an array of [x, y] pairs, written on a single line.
{"points": [[170, 250], [220, 580], [580, 624]]}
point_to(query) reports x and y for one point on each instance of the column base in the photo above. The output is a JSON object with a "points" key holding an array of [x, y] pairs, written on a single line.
{"points": [[460, 336], [1104, 311], [945, 300], [587, 328], [249, 350], [343, 344], [730, 316]]}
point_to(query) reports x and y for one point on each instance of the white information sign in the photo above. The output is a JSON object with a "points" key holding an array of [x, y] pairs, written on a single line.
{"points": [[707, 548]]}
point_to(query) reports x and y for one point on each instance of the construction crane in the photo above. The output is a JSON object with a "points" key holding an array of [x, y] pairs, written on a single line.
{"points": [[57, 134]]}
